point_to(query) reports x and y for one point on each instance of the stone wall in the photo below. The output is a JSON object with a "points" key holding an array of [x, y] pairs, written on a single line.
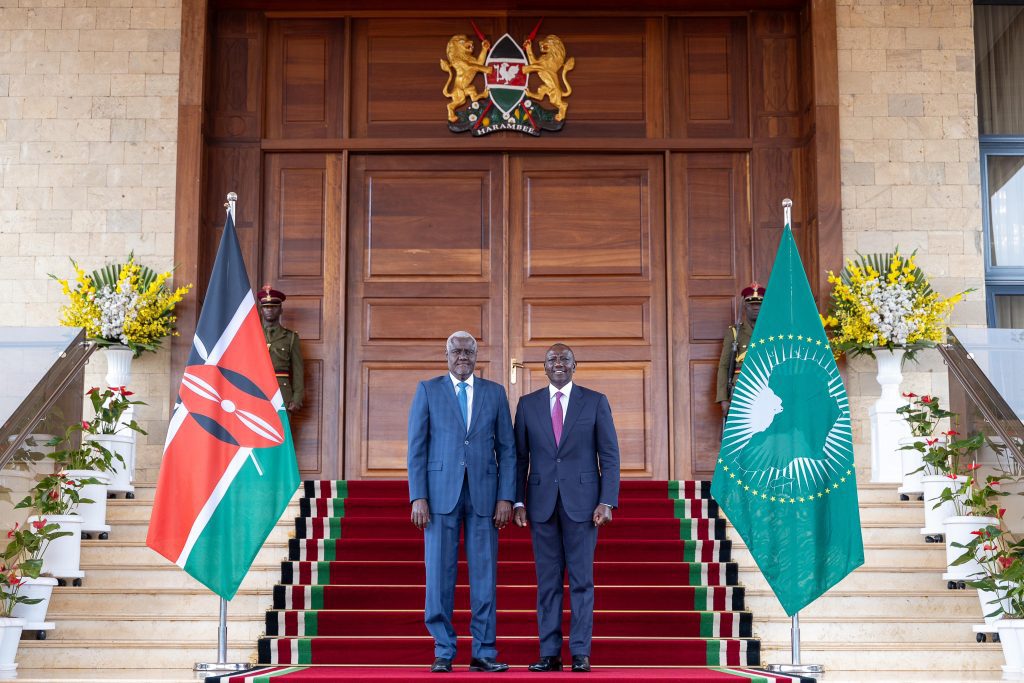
{"points": [[88, 123], [910, 170]]}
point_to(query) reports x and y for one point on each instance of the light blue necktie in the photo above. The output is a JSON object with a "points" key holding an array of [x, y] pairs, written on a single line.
{"points": [[464, 403]]}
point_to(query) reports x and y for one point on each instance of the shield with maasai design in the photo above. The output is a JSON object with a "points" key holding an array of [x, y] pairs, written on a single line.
{"points": [[506, 83]]}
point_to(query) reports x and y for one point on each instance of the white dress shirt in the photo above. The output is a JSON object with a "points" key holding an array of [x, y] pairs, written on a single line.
{"points": [[566, 390], [469, 396]]}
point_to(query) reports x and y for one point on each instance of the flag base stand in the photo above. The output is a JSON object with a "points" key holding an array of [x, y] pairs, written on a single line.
{"points": [[219, 667], [812, 670], [204, 669]]}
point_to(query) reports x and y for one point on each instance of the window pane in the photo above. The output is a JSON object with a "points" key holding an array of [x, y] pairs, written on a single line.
{"points": [[1006, 209], [1010, 311], [999, 54]]}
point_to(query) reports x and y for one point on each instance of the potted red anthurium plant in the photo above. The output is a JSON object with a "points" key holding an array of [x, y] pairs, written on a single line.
{"points": [[110, 433], [22, 589], [999, 557], [27, 543], [923, 415], [101, 455], [54, 499]]}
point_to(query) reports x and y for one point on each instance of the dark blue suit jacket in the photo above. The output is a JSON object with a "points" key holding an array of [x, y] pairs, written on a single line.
{"points": [[441, 452], [543, 470]]}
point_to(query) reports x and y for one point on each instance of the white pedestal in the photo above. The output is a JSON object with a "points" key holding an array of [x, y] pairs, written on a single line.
{"points": [[888, 427]]}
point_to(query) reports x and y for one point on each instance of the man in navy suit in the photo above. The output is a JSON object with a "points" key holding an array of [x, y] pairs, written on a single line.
{"points": [[461, 462], [567, 472]]}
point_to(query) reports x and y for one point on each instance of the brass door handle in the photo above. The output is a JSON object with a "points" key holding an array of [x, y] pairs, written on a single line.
{"points": [[512, 370]]}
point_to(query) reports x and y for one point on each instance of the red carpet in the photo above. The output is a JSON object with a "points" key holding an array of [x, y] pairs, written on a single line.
{"points": [[322, 674], [351, 593]]}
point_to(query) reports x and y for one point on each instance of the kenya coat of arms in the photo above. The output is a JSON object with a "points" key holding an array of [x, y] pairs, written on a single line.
{"points": [[507, 102]]}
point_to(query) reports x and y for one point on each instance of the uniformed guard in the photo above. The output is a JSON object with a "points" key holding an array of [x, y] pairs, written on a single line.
{"points": [[734, 346], [283, 345]]}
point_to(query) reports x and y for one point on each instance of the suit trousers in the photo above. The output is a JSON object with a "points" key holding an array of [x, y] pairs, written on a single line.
{"points": [[559, 543], [441, 556]]}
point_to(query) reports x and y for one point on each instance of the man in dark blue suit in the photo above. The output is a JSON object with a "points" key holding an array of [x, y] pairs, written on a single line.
{"points": [[461, 462], [567, 473]]}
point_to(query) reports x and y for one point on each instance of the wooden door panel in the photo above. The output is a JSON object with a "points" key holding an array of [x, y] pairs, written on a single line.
{"points": [[397, 79], [399, 321], [708, 77], [305, 66], [594, 321], [425, 259], [617, 79], [591, 236], [300, 198], [710, 257]]}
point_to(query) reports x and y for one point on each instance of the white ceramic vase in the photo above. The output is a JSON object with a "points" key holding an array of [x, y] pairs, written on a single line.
{"points": [[933, 485], [35, 615], [1011, 637], [119, 365], [124, 472], [887, 426], [63, 557], [94, 514], [912, 462], [959, 529], [10, 636], [989, 601]]}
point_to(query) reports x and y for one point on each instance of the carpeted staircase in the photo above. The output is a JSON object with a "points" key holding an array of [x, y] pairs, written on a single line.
{"points": [[352, 590]]}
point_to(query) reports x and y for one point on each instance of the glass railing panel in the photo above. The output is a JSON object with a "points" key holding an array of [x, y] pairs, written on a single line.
{"points": [[40, 397], [988, 365]]}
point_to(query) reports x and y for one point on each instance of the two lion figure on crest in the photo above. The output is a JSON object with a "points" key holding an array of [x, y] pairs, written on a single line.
{"points": [[462, 67]]}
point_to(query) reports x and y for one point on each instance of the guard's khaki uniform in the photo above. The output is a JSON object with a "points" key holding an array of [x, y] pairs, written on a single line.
{"points": [[743, 337], [286, 356]]}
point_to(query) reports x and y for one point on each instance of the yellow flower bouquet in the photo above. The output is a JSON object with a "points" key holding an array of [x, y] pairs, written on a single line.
{"points": [[124, 304], [885, 301]]}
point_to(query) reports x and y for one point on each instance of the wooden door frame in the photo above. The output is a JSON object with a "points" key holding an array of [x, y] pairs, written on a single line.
{"points": [[823, 241]]}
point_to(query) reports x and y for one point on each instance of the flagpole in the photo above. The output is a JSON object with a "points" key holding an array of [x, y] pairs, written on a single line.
{"points": [[794, 667], [222, 664]]}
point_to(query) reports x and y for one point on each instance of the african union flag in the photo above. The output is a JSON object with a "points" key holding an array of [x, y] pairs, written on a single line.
{"points": [[229, 468], [785, 475]]}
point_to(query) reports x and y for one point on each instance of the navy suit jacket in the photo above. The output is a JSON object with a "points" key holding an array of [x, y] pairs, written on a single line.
{"points": [[544, 470], [441, 452]]}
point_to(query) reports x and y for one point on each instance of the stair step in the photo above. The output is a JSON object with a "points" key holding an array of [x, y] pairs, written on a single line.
{"points": [[130, 653], [169, 626], [400, 528], [617, 651], [511, 623], [913, 603], [954, 631], [651, 598], [145, 577], [925, 555], [113, 603], [510, 573], [888, 656], [399, 507], [509, 549], [863, 578]]}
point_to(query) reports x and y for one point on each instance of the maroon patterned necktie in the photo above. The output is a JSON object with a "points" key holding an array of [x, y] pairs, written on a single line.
{"points": [[556, 417]]}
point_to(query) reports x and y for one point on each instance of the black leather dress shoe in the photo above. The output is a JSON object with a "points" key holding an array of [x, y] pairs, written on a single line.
{"points": [[487, 665], [581, 663], [547, 664], [441, 666]]}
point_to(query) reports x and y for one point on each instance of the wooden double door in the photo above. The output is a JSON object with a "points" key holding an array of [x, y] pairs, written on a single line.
{"points": [[522, 252]]}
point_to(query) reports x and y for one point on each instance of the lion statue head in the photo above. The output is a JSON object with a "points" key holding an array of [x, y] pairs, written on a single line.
{"points": [[553, 47], [459, 48]]}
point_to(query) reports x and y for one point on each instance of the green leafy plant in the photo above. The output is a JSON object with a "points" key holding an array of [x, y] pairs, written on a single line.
{"points": [[75, 451], [923, 414], [56, 494], [23, 558]]}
